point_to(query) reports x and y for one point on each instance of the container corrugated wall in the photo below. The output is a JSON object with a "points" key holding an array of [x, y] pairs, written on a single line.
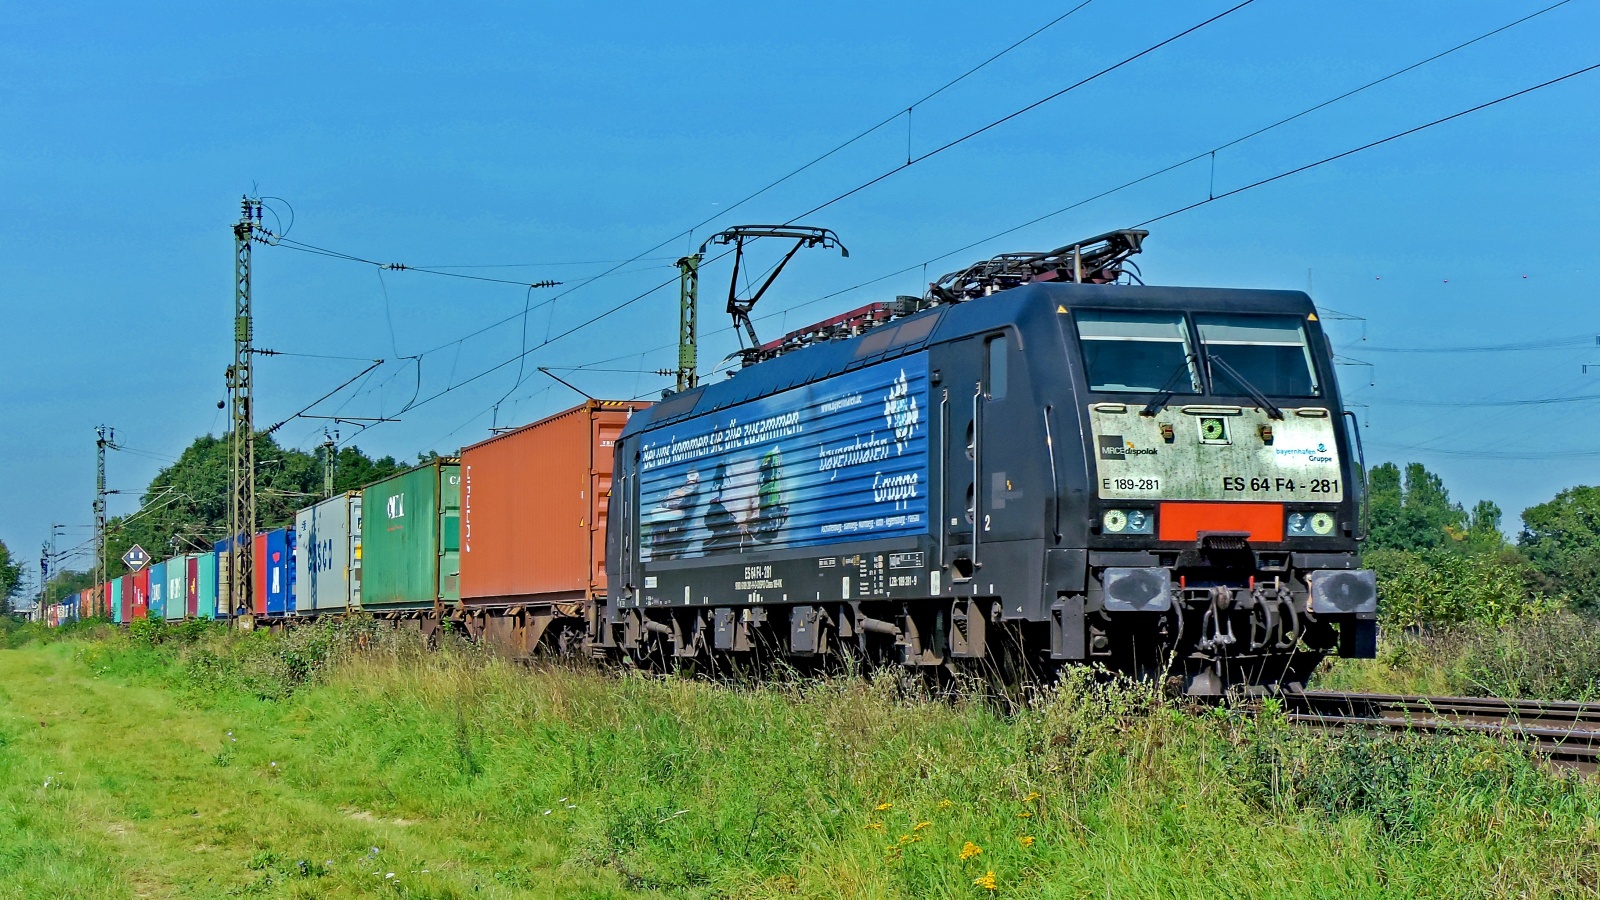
{"points": [[410, 538], [323, 572], [156, 599], [227, 606], [206, 593], [534, 503], [114, 601], [175, 573], [139, 602], [274, 573]]}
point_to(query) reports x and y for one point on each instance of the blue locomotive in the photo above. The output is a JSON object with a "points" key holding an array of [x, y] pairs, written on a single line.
{"points": [[1040, 461]]}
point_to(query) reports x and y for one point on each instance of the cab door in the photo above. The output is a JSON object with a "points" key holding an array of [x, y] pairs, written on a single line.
{"points": [[981, 411]]}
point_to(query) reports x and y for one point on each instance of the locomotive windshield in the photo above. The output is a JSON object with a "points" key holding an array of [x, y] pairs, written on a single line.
{"points": [[1262, 353], [1136, 351]]}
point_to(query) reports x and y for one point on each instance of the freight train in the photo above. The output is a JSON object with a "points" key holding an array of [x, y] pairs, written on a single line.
{"points": [[1039, 462]]}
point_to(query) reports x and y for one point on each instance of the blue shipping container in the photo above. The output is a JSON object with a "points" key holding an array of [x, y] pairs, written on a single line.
{"points": [[158, 591], [277, 566]]}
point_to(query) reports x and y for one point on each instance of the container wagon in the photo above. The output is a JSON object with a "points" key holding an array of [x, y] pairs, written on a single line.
{"points": [[534, 503], [410, 545], [327, 556]]}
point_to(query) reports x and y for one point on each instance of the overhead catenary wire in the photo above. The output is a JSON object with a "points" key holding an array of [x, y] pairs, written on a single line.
{"points": [[1209, 153], [1369, 145], [307, 407], [689, 231], [1186, 208], [1026, 109], [940, 149]]}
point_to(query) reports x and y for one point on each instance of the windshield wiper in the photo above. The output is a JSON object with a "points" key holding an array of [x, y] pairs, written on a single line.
{"points": [[1255, 394], [1167, 389]]}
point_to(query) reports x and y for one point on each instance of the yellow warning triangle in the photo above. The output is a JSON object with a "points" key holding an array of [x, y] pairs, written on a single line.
{"points": [[1060, 308]]}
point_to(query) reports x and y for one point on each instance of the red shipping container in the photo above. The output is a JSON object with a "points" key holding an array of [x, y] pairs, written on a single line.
{"points": [[141, 594], [258, 574], [126, 600], [533, 507]]}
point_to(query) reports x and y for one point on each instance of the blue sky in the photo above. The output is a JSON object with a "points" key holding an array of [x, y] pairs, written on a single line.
{"points": [[560, 139]]}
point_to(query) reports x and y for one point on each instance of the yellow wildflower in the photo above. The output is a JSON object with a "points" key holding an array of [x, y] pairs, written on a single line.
{"points": [[1024, 815], [945, 804], [920, 825], [987, 882], [874, 826], [909, 839], [969, 850], [881, 807], [1025, 840], [1035, 795]]}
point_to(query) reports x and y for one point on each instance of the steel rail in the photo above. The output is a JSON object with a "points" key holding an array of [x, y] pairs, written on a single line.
{"points": [[1566, 732]]}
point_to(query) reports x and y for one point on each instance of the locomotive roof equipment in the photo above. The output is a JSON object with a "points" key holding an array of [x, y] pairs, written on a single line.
{"points": [[802, 235]]}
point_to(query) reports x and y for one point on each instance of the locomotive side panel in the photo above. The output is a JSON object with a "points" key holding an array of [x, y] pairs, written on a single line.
{"points": [[804, 494]]}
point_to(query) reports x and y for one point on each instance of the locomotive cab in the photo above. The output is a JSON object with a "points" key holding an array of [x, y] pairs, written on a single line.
{"points": [[1225, 502]]}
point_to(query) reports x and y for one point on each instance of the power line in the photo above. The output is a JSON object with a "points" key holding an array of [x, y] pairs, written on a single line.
{"points": [[398, 267], [1552, 344], [1369, 145], [310, 355], [1030, 107], [440, 270], [946, 146], [1475, 404], [1493, 454], [1211, 153], [905, 112]]}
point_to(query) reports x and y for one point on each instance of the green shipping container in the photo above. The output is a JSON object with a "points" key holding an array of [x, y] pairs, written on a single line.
{"points": [[411, 538], [207, 606]]}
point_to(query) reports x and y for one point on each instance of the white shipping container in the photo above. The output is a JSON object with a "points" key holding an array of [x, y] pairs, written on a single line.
{"points": [[328, 558]]}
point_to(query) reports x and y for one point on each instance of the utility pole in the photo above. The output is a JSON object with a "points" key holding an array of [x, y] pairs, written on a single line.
{"points": [[327, 463], [44, 581], [242, 506], [105, 439], [47, 558], [688, 326]]}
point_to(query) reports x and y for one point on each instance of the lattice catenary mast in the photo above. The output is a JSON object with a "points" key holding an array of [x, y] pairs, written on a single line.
{"points": [[242, 505]]}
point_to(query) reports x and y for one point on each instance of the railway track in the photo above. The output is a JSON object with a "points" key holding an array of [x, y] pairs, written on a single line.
{"points": [[1567, 733]]}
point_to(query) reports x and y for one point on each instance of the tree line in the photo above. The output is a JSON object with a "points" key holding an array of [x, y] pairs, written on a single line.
{"points": [[1441, 563], [185, 507]]}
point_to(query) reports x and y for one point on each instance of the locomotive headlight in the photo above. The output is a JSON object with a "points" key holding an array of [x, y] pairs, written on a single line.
{"points": [[1302, 524], [1128, 521]]}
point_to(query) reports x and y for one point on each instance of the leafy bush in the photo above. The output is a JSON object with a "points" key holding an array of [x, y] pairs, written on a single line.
{"points": [[1555, 656], [1439, 587]]}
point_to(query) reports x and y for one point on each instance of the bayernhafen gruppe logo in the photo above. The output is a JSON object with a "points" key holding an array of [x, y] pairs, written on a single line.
{"points": [[1112, 446], [900, 411]]}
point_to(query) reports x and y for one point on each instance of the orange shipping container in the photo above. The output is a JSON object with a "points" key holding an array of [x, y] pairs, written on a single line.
{"points": [[533, 507]]}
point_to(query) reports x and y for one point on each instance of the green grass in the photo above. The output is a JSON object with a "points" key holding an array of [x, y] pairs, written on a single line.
{"points": [[210, 765], [1553, 656]]}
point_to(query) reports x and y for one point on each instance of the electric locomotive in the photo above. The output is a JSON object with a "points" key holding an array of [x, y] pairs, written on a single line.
{"points": [[1040, 461]]}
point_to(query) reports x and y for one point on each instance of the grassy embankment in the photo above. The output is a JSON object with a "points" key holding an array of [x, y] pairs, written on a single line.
{"points": [[1554, 656], [214, 765]]}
